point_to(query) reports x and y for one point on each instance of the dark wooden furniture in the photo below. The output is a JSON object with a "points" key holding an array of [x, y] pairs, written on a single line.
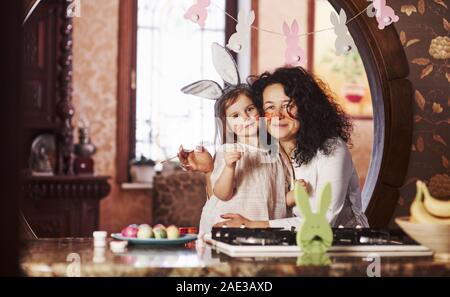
{"points": [[62, 206], [65, 204]]}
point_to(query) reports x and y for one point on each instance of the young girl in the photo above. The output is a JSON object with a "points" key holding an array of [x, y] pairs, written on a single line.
{"points": [[246, 178]]}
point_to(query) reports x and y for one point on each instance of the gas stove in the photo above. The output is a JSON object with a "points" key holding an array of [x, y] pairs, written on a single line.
{"points": [[277, 242]]}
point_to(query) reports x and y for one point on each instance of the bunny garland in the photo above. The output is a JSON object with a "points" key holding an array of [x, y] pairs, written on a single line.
{"points": [[294, 55], [384, 14], [227, 69], [344, 43], [314, 235], [198, 13], [238, 42]]}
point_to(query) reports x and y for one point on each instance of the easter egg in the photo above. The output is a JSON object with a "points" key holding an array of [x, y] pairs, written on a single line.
{"points": [[173, 232]]}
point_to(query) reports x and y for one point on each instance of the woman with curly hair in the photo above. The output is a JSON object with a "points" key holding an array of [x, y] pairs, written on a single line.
{"points": [[313, 133]]}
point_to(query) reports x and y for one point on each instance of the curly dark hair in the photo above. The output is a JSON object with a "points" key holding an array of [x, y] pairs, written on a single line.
{"points": [[322, 120]]}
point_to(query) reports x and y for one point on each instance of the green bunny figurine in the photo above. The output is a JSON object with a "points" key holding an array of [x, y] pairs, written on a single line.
{"points": [[314, 259], [315, 234]]}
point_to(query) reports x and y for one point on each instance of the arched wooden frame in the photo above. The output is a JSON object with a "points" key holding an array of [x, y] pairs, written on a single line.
{"points": [[387, 68]]}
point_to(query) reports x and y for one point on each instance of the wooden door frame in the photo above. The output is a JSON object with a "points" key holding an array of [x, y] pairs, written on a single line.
{"points": [[126, 105], [387, 70]]}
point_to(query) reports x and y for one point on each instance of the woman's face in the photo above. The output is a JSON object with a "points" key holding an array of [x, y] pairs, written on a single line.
{"points": [[280, 112], [242, 117]]}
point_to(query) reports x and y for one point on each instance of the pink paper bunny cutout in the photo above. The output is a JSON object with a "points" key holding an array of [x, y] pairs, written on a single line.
{"points": [[385, 14], [197, 13], [294, 54]]}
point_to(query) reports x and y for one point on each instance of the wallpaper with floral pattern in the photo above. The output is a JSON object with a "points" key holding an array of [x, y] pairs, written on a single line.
{"points": [[95, 99], [424, 30]]}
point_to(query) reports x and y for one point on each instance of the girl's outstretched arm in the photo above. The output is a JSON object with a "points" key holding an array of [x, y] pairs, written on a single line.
{"points": [[224, 186]]}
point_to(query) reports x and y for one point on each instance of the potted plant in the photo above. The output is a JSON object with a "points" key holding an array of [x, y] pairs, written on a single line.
{"points": [[142, 170]]}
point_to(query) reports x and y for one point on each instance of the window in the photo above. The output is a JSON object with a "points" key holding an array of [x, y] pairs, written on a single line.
{"points": [[173, 52], [160, 52]]}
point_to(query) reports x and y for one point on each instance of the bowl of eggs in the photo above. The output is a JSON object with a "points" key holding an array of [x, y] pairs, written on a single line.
{"points": [[159, 234]]}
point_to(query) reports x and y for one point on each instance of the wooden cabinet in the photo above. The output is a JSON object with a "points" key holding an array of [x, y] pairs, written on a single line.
{"points": [[64, 206], [39, 92], [39, 57]]}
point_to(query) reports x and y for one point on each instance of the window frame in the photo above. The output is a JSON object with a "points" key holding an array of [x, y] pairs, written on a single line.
{"points": [[126, 92]]}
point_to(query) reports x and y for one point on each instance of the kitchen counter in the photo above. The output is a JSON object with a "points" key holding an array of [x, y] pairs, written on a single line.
{"points": [[77, 257]]}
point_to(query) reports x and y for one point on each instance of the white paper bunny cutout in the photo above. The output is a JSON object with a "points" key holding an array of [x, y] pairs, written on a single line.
{"points": [[385, 14], [226, 67], [370, 10], [344, 43], [238, 42], [294, 54]]}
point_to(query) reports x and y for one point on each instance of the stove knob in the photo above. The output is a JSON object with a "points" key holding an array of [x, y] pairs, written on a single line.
{"points": [[364, 239]]}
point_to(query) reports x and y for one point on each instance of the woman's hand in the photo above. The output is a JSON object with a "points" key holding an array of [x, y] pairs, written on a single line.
{"points": [[234, 220], [198, 160], [290, 196], [305, 185]]}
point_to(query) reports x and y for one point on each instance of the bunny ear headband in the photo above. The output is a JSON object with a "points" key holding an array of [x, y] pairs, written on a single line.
{"points": [[226, 67]]}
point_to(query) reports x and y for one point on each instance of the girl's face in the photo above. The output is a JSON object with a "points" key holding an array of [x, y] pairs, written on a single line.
{"points": [[278, 109], [242, 117]]}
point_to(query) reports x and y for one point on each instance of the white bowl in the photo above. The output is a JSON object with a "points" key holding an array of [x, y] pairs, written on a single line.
{"points": [[436, 237]]}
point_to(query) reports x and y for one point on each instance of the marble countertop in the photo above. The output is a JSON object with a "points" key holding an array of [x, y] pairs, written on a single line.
{"points": [[78, 257]]}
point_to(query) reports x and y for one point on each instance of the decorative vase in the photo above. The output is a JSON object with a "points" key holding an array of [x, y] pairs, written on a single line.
{"points": [[84, 148]]}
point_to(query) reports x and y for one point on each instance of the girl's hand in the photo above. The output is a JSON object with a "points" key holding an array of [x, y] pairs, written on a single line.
{"points": [[197, 160], [234, 220], [290, 198], [231, 158]]}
